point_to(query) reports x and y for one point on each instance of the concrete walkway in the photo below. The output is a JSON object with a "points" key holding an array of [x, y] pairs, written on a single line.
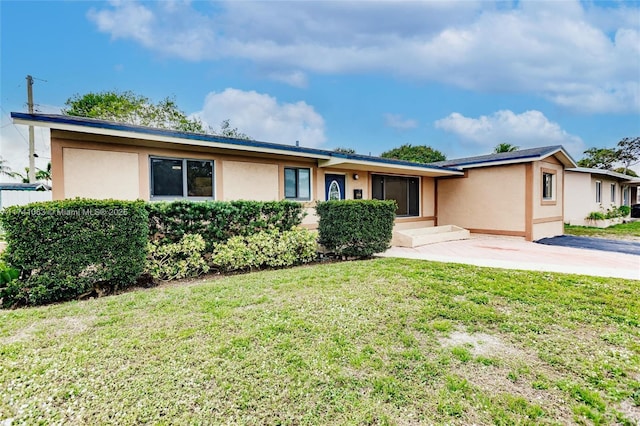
{"points": [[516, 253]]}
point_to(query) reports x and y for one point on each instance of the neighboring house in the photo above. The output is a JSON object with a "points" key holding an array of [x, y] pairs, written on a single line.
{"points": [[502, 194], [17, 194], [596, 190], [519, 193]]}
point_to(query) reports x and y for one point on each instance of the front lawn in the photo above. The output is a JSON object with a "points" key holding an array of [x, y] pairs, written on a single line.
{"points": [[623, 231], [384, 341]]}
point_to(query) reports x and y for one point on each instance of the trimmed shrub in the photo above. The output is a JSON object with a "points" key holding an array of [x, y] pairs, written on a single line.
{"points": [[173, 261], [266, 249], [624, 211], [217, 221], [356, 228], [64, 249]]}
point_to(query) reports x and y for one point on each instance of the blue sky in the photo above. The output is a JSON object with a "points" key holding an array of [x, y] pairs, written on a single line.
{"points": [[458, 76]]}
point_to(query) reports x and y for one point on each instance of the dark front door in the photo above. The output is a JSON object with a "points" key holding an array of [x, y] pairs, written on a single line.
{"points": [[334, 187]]}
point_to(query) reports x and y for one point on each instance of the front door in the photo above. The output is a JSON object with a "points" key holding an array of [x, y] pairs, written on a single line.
{"points": [[334, 187]]}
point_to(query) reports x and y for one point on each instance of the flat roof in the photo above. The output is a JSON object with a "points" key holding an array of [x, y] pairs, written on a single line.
{"points": [[325, 158]]}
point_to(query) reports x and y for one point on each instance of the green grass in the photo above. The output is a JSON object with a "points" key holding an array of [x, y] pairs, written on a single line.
{"points": [[626, 231], [384, 341]]}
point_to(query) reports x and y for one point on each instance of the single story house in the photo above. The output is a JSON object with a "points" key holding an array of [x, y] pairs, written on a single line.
{"points": [[521, 194], [596, 190]]}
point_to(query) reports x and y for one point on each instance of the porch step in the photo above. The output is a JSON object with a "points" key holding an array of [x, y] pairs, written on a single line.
{"points": [[422, 236]]}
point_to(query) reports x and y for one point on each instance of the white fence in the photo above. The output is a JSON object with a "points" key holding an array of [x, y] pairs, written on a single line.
{"points": [[19, 198]]}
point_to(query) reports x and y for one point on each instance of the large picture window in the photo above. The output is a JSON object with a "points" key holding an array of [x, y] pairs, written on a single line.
{"points": [[404, 190], [181, 178], [297, 183]]}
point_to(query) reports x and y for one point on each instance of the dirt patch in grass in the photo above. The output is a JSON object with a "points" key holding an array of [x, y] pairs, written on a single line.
{"points": [[630, 411], [480, 344], [54, 327]]}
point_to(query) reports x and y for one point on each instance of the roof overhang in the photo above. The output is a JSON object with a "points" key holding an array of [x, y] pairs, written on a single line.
{"points": [[324, 158], [559, 153], [608, 173]]}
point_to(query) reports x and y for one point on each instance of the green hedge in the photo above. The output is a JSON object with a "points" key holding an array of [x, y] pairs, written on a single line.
{"points": [[217, 221], [357, 228], [64, 249], [270, 249]]}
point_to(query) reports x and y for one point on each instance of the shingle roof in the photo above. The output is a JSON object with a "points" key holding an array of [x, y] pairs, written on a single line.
{"points": [[519, 156]]}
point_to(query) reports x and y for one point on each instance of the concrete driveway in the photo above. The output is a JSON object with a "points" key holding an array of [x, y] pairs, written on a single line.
{"points": [[516, 253]]}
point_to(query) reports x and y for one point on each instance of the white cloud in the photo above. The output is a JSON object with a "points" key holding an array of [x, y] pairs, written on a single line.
{"points": [[292, 78], [526, 130], [582, 56], [396, 121], [264, 118]]}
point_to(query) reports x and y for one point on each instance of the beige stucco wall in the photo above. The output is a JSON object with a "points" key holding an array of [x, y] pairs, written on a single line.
{"points": [[547, 215], [91, 173], [249, 181], [580, 196], [548, 229], [487, 199]]}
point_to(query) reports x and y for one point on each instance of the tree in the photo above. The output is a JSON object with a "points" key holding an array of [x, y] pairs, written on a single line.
{"points": [[4, 168], [416, 154], [505, 147], [230, 132], [629, 152], [128, 107], [599, 158], [344, 150], [41, 175], [627, 172]]}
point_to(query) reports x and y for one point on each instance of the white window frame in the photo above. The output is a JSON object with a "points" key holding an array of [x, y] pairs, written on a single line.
{"points": [[598, 191], [185, 189], [613, 192]]}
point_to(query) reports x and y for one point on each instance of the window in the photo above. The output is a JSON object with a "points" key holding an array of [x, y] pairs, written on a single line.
{"points": [[613, 192], [625, 196], [404, 190], [297, 183], [598, 191], [181, 178], [547, 186]]}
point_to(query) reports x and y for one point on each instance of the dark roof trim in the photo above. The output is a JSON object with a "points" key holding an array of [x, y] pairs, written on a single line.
{"points": [[506, 157], [142, 130], [14, 186]]}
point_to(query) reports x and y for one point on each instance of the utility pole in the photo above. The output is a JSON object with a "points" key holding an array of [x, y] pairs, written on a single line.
{"points": [[32, 150]]}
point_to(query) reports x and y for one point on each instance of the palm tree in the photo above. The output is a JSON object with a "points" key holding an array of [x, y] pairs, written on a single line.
{"points": [[4, 168], [505, 147], [41, 175]]}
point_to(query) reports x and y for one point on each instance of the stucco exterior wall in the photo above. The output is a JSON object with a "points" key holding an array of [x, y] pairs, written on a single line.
{"points": [[101, 167], [547, 229], [488, 199], [547, 215], [249, 181], [91, 173], [581, 196]]}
